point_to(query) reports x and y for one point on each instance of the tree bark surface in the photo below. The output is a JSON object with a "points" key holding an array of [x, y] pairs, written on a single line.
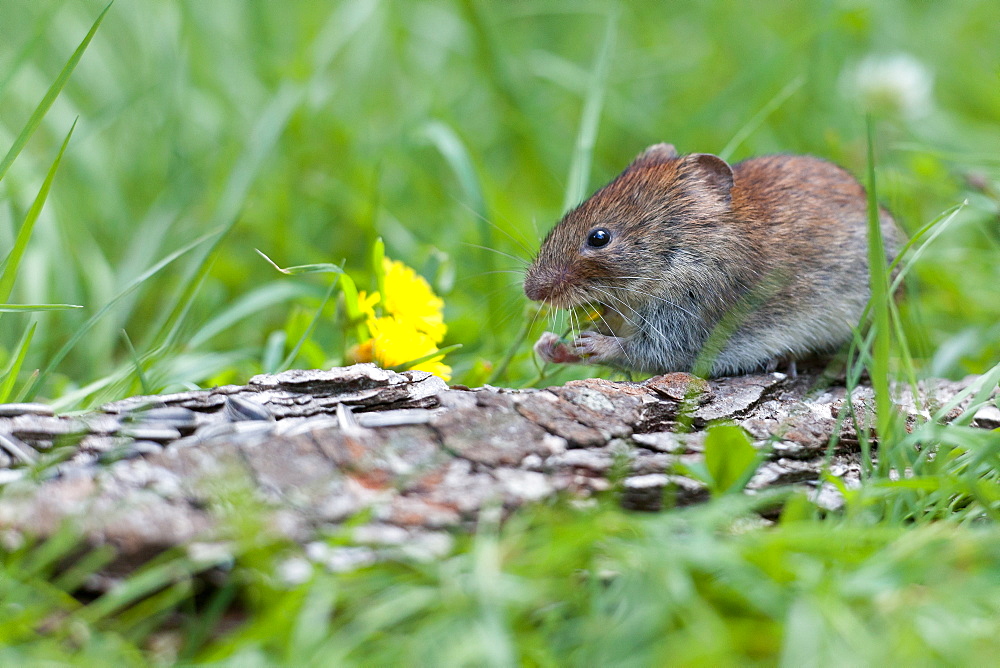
{"points": [[400, 461]]}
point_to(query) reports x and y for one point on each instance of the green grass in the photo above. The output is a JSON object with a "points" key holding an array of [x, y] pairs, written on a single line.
{"points": [[205, 131]]}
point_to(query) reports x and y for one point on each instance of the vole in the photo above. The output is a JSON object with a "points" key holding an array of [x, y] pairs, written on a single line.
{"points": [[687, 262]]}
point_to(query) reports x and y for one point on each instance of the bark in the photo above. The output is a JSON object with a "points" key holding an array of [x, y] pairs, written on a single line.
{"points": [[405, 460]]}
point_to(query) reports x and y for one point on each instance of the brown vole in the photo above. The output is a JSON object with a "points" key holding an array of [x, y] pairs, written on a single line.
{"points": [[690, 261]]}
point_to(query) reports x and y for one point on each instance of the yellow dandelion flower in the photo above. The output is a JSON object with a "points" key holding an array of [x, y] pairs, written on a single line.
{"points": [[409, 325], [366, 303], [410, 299], [362, 352], [396, 342]]}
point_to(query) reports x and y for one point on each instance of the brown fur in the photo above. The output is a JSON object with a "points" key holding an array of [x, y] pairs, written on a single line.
{"points": [[764, 260]]}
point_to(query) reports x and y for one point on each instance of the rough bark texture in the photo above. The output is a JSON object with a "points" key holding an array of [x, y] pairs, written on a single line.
{"points": [[411, 457]]}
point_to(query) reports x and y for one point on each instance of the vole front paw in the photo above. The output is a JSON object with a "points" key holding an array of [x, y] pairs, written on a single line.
{"points": [[587, 348], [551, 348], [596, 348]]}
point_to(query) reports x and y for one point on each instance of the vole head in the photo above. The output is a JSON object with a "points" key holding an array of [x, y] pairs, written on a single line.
{"points": [[662, 228]]}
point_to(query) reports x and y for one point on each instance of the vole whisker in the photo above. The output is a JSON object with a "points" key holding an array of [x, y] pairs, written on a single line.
{"points": [[526, 263], [652, 296], [610, 306], [618, 339], [520, 242], [515, 272], [637, 314]]}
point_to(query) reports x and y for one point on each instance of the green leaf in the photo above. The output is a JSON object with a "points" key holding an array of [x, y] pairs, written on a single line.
{"points": [[50, 95], [13, 260], [730, 458]]}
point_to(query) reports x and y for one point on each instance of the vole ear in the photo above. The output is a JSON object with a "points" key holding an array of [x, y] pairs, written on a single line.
{"points": [[713, 170], [655, 155]]}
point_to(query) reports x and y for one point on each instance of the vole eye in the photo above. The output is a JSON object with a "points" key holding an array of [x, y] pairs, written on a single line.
{"points": [[598, 237]]}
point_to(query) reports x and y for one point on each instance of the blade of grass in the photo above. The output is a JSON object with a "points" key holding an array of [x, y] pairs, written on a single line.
{"points": [[450, 146], [139, 620], [586, 136], [138, 586], [859, 358], [880, 296], [265, 134], [909, 369], [13, 260], [253, 302], [287, 362], [32, 389], [512, 349], [981, 390], [273, 349], [453, 150], [83, 567], [320, 268], [905, 262], [12, 67], [355, 318], [50, 95], [938, 225], [10, 375], [150, 239], [441, 352], [758, 119], [30, 308], [198, 629], [72, 400], [378, 266], [137, 363]]}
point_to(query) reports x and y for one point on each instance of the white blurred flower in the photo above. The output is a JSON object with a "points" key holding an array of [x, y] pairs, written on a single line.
{"points": [[897, 84], [294, 571]]}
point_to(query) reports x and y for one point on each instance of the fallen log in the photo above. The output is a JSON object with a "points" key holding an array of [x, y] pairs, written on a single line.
{"points": [[414, 459]]}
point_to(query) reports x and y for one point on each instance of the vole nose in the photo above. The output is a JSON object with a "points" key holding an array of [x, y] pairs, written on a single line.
{"points": [[535, 288], [545, 283]]}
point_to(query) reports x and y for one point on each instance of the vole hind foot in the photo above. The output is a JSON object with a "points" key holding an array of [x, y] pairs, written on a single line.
{"points": [[790, 368]]}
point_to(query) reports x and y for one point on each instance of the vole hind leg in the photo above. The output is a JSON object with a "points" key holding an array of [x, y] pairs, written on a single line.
{"points": [[597, 348], [550, 348]]}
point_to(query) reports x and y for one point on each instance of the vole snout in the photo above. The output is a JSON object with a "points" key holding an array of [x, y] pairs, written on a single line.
{"points": [[558, 284], [542, 284]]}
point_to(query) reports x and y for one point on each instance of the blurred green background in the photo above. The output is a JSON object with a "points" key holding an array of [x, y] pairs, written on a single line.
{"points": [[312, 128]]}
